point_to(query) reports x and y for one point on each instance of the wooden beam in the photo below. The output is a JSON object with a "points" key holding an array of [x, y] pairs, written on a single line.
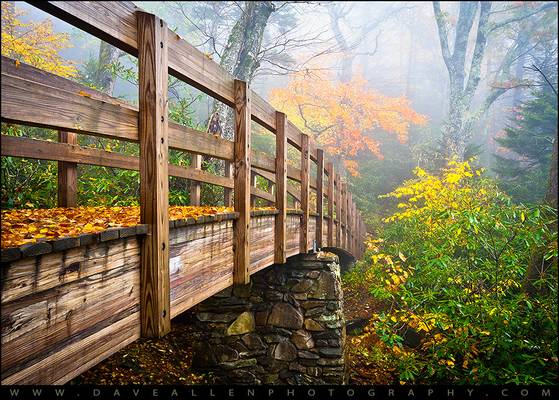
{"points": [[343, 212], [228, 193], [305, 166], [281, 189], [154, 183], [13, 146], [252, 185], [195, 186], [319, 195], [292, 190], [67, 175], [330, 168], [338, 197], [30, 96], [242, 183]]}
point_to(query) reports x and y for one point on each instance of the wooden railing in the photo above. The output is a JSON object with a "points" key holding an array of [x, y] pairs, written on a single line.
{"points": [[38, 98]]}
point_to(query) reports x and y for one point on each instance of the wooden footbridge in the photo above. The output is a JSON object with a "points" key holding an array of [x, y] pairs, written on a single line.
{"points": [[70, 303]]}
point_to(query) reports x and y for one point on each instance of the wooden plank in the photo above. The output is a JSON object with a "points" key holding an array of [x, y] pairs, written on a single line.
{"points": [[292, 190], [338, 197], [79, 108], [305, 166], [113, 22], [195, 186], [242, 183], [252, 186], [319, 196], [330, 169], [35, 104], [67, 175], [281, 189], [194, 141], [266, 163], [154, 182], [343, 215], [228, 193], [43, 150]]}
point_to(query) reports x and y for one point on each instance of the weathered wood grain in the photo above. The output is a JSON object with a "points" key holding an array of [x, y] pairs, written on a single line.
{"points": [[330, 169], [261, 247], [281, 189], [76, 358], [41, 324], [195, 186], [33, 275], [242, 182], [82, 109], [319, 195], [227, 192], [154, 182], [338, 197], [67, 175], [305, 166], [44, 150], [201, 263]]}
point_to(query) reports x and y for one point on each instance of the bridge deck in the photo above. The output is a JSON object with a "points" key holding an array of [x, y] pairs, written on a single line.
{"points": [[64, 311]]}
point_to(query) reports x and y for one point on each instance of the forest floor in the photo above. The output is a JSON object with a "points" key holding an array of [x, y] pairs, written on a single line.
{"points": [[365, 361], [166, 361], [169, 360]]}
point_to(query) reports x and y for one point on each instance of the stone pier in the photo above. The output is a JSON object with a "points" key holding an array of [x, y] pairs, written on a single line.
{"points": [[285, 327]]}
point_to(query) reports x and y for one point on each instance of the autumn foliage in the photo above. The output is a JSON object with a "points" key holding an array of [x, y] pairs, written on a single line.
{"points": [[34, 43], [30, 225], [343, 117]]}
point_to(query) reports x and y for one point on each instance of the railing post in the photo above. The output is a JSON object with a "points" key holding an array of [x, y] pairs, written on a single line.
{"points": [[349, 221], [330, 167], [305, 164], [195, 186], [154, 179], [319, 195], [67, 174], [281, 189], [343, 213], [228, 193], [252, 185], [242, 183], [338, 198]]}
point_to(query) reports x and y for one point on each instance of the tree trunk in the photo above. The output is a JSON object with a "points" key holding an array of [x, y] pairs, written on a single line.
{"points": [[240, 55], [103, 78]]}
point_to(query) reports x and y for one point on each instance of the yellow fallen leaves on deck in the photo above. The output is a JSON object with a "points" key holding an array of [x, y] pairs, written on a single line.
{"points": [[29, 225]]}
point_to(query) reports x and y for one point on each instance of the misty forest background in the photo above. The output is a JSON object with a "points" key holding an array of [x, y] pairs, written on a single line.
{"points": [[445, 117]]}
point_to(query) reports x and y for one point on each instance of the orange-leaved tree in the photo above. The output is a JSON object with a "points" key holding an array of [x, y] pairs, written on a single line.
{"points": [[343, 117], [34, 43]]}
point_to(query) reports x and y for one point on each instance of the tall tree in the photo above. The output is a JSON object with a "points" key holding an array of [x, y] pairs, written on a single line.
{"points": [[240, 54], [464, 78], [526, 148], [344, 117]]}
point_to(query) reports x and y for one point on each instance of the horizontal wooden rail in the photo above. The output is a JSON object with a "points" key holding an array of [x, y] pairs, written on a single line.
{"points": [[115, 23], [31, 96], [13, 146]]}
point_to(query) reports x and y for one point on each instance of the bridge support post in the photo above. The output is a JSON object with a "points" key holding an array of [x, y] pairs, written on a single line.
{"points": [[242, 183], [319, 195], [305, 161], [338, 198], [330, 167], [67, 174], [154, 184], [195, 186], [281, 189]]}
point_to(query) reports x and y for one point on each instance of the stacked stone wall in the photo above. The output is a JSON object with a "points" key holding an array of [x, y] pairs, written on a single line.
{"points": [[285, 327]]}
